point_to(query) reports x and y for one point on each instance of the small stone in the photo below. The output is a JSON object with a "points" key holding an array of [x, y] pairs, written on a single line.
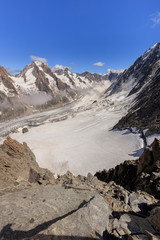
{"points": [[31, 220], [25, 130]]}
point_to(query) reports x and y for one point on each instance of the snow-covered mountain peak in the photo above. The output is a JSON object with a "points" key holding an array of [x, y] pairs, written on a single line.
{"points": [[36, 78], [38, 63], [3, 71], [139, 74], [154, 50]]}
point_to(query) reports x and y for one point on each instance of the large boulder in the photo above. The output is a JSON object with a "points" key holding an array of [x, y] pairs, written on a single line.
{"points": [[53, 212]]}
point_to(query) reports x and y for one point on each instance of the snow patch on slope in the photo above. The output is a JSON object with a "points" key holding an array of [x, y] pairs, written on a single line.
{"points": [[3, 89], [28, 86]]}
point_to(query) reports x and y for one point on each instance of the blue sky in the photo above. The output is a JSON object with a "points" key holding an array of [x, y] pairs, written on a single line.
{"points": [[77, 33]]}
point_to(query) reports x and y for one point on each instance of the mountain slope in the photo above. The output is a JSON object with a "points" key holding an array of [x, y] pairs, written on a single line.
{"points": [[139, 74], [6, 84], [141, 83], [145, 114]]}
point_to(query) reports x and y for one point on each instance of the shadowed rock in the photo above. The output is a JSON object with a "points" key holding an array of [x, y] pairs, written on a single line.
{"points": [[142, 174]]}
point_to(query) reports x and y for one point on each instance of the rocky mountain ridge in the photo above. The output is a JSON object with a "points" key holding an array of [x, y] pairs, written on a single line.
{"points": [[139, 73], [141, 82], [37, 87], [38, 77]]}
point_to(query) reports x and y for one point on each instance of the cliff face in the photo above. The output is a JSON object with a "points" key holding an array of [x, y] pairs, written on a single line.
{"points": [[145, 112], [6, 83]]}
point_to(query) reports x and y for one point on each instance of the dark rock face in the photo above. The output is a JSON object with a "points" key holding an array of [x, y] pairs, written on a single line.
{"points": [[144, 79], [121, 174], [142, 174], [145, 114], [42, 82], [60, 85], [91, 76], [111, 76], [139, 73]]}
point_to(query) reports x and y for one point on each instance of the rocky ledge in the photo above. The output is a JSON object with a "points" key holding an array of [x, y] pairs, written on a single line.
{"points": [[36, 206]]}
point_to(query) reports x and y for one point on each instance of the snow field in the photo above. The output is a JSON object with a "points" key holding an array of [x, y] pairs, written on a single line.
{"points": [[81, 144]]}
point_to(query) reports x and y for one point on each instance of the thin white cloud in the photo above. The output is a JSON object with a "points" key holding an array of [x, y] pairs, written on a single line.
{"points": [[39, 59], [9, 70], [58, 67], [115, 71], [155, 18], [99, 64]]}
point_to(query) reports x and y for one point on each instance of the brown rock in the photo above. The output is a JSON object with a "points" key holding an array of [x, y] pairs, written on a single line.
{"points": [[16, 160], [7, 81], [24, 130]]}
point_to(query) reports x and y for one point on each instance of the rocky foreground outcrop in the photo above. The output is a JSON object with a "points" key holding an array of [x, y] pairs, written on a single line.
{"points": [[69, 207], [18, 164], [143, 174]]}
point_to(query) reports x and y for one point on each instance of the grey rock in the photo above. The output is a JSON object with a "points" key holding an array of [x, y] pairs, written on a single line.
{"points": [[132, 224], [52, 211], [138, 201]]}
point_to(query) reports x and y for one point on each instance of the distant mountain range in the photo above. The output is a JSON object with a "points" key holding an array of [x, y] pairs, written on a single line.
{"points": [[37, 87], [38, 77]]}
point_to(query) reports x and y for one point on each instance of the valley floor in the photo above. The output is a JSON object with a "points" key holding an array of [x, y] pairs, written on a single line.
{"points": [[79, 138]]}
